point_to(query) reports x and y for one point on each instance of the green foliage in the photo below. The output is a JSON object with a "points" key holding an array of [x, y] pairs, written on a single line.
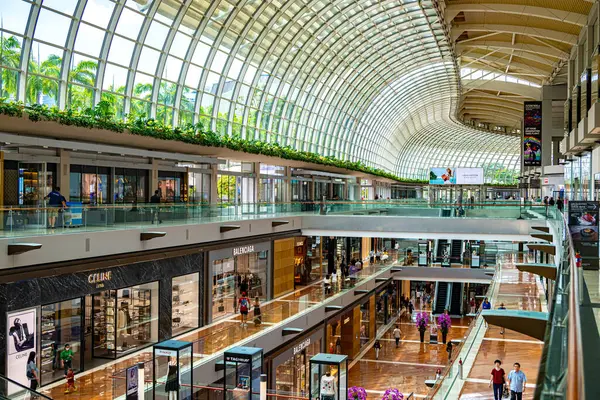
{"points": [[102, 117]]}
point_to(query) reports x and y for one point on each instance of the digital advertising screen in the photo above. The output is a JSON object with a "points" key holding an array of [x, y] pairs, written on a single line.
{"points": [[442, 176], [532, 134], [469, 176]]}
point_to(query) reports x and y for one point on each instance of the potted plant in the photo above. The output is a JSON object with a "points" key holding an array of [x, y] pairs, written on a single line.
{"points": [[357, 393], [422, 321], [392, 394], [444, 323]]}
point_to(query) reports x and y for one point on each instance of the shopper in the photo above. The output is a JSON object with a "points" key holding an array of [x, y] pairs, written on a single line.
{"points": [[244, 303], [502, 308], [70, 381], [397, 332], [327, 284], [155, 199], [551, 202], [472, 305], [57, 203], [449, 350], [257, 316], [377, 347], [486, 304], [516, 382], [410, 307], [33, 373], [497, 379], [66, 358]]}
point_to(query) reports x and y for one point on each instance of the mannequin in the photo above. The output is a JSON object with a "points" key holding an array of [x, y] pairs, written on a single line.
{"points": [[328, 387], [172, 385]]}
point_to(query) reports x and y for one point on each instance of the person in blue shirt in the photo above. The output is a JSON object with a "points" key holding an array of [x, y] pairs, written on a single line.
{"points": [[56, 201], [516, 382], [486, 304]]}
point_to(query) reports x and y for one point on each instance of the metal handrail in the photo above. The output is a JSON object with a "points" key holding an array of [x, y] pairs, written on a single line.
{"points": [[576, 379]]}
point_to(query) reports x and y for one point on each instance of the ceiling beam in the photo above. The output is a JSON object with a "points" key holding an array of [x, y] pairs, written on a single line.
{"points": [[550, 34], [493, 109], [473, 100], [525, 47], [453, 10], [484, 96], [517, 64], [509, 87]]}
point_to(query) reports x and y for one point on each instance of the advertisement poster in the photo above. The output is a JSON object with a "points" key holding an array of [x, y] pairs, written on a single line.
{"points": [[469, 176], [20, 341], [583, 226], [532, 134], [132, 383], [442, 176]]}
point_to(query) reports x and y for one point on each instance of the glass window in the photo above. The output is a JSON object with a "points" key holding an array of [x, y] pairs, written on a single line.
{"points": [[186, 292], [16, 14], [52, 27], [60, 326], [89, 40], [120, 51], [125, 320], [129, 24], [98, 12]]}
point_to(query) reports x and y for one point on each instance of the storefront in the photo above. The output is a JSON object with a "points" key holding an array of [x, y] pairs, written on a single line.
{"points": [[89, 184], [288, 368], [102, 314], [235, 270], [172, 186]]}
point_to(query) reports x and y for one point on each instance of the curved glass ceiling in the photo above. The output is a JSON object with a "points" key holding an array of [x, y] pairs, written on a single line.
{"points": [[355, 79]]}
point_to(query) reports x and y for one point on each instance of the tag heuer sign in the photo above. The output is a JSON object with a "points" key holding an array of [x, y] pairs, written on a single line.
{"points": [[237, 358]]}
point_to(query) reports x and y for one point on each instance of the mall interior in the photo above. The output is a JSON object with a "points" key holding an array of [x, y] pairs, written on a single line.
{"points": [[299, 199]]}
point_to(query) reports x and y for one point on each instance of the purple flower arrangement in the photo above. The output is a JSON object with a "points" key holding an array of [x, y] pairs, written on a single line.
{"points": [[392, 394], [444, 322], [357, 393], [422, 320]]}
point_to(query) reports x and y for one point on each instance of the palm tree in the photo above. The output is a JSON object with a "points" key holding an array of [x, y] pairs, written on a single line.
{"points": [[84, 73], [10, 56]]}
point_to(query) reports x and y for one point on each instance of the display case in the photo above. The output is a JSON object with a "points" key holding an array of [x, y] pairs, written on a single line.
{"points": [[328, 377], [445, 253], [173, 370], [243, 367], [423, 249], [49, 340], [475, 262]]}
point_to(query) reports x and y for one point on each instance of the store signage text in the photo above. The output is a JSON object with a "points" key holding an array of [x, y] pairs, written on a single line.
{"points": [[99, 277], [238, 251], [301, 346], [237, 359], [165, 352]]}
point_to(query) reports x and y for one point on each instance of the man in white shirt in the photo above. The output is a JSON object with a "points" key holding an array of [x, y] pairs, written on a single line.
{"points": [[397, 333]]}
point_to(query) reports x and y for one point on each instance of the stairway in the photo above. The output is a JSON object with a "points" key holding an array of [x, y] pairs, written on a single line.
{"points": [[456, 300], [440, 247], [441, 296], [456, 251]]}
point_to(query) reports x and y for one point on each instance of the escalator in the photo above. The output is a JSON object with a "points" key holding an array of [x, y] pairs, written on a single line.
{"points": [[440, 249], [456, 252], [456, 299], [441, 297]]}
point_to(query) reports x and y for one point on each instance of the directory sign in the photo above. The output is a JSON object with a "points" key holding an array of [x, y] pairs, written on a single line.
{"points": [[532, 134], [583, 226], [442, 176]]}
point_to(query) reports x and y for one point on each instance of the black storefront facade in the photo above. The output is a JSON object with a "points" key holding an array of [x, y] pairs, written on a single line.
{"points": [[102, 313]]}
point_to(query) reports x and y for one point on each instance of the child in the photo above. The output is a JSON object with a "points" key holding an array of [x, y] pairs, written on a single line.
{"points": [[70, 381]]}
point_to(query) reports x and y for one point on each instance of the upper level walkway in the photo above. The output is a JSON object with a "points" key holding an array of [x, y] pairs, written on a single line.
{"points": [[111, 230]]}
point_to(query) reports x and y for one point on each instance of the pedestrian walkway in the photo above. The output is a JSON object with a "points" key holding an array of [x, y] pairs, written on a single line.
{"points": [[408, 366], [520, 291]]}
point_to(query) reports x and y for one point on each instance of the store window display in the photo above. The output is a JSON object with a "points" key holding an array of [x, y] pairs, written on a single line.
{"points": [[328, 377], [60, 331], [186, 292], [125, 320], [236, 275]]}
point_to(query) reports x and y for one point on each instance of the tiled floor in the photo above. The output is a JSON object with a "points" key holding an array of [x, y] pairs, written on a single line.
{"points": [[98, 384], [518, 290]]}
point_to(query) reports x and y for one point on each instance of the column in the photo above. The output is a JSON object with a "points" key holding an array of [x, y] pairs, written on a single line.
{"points": [[288, 185], [153, 177], [63, 172], [214, 194], [256, 197]]}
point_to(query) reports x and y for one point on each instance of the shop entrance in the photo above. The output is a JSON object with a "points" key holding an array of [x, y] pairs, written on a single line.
{"points": [[235, 275]]}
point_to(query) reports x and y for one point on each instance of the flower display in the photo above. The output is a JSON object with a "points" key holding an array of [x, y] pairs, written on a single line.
{"points": [[357, 393], [422, 321], [444, 322], [392, 394]]}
